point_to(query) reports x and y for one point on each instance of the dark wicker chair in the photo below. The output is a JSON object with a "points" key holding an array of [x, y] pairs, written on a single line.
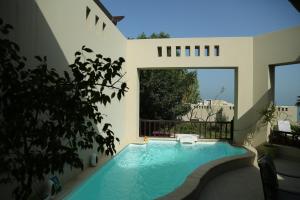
{"points": [[270, 183]]}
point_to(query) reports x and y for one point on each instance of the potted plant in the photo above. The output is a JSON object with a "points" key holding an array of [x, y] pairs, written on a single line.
{"points": [[269, 117]]}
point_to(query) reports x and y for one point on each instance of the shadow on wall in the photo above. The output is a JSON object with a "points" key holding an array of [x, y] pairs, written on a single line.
{"points": [[248, 129], [48, 45], [35, 37]]}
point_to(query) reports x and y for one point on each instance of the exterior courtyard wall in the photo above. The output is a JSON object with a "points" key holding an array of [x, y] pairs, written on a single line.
{"points": [[57, 29], [270, 50], [234, 53]]}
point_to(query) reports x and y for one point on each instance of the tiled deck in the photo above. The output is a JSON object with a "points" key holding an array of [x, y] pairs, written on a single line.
{"points": [[245, 183], [240, 184]]}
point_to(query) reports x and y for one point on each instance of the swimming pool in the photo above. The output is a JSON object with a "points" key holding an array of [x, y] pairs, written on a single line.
{"points": [[150, 171]]}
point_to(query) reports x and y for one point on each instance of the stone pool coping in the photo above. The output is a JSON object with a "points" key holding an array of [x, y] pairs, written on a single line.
{"points": [[196, 181]]}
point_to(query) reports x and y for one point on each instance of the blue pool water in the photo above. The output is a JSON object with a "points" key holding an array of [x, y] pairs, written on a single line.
{"points": [[142, 172]]}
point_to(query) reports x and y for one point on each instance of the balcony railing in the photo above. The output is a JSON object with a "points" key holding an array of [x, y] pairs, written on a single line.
{"points": [[169, 128], [285, 138]]}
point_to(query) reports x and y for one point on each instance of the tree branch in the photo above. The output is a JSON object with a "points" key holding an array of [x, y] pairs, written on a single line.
{"points": [[118, 79]]}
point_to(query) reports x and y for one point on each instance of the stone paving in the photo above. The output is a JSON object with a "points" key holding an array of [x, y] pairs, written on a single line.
{"points": [[245, 183]]}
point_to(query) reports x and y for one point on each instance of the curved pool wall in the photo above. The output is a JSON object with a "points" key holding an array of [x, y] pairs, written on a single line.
{"points": [[197, 180], [151, 170]]}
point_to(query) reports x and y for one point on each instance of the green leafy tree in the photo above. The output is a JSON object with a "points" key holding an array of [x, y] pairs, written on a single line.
{"points": [[46, 118], [166, 94], [153, 36], [142, 36], [192, 91]]}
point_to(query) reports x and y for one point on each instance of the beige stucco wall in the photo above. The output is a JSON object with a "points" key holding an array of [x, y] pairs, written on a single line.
{"points": [[67, 20], [273, 48], [281, 47], [235, 53], [57, 29]]}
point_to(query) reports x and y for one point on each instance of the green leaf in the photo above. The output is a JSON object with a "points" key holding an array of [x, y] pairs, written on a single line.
{"points": [[119, 95], [67, 75], [90, 60], [88, 50], [107, 60], [121, 59], [72, 66], [7, 27], [99, 56], [77, 59], [38, 58], [21, 65], [113, 95], [123, 85], [77, 53], [15, 46], [105, 127], [89, 124]]}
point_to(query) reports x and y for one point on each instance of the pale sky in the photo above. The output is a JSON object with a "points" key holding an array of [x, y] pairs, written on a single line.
{"points": [[210, 18]]}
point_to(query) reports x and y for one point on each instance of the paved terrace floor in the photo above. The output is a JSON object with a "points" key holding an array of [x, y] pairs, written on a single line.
{"points": [[245, 183]]}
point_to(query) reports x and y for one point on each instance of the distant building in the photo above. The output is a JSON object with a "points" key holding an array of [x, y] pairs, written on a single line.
{"points": [[220, 110], [287, 113], [210, 110]]}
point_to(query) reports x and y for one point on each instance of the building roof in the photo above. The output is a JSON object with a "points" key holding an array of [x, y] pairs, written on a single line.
{"points": [[217, 102], [114, 19], [296, 4]]}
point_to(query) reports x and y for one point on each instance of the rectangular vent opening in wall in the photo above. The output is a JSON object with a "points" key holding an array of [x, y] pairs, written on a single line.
{"points": [[96, 19], [187, 51], [178, 51], [87, 12], [197, 50], [206, 50], [159, 51], [169, 51], [217, 50]]}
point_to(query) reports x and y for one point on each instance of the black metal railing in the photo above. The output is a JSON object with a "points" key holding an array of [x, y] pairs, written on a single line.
{"points": [[285, 138], [169, 128]]}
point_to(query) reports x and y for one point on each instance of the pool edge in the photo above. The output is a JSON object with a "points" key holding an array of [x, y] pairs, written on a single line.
{"points": [[78, 180]]}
